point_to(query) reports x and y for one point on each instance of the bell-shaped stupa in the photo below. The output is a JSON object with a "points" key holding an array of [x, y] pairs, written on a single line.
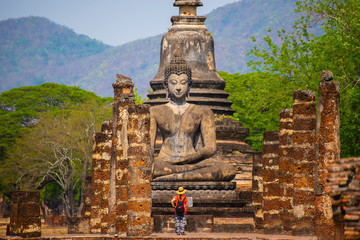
{"points": [[197, 46]]}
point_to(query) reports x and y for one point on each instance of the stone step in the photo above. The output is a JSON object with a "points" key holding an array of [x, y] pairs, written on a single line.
{"points": [[203, 198], [226, 224], [246, 211], [205, 223]]}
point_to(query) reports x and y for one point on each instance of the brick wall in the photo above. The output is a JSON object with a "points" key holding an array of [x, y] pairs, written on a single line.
{"points": [[100, 176], [25, 218], [304, 156], [257, 191], [270, 174], [286, 171], [327, 150], [290, 191], [344, 190], [140, 172], [121, 199]]}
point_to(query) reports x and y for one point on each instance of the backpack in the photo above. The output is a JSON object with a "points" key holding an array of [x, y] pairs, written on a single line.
{"points": [[180, 206]]}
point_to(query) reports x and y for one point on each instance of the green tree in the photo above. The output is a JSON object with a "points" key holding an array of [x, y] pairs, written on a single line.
{"points": [[257, 99], [20, 107], [58, 148], [138, 99], [20, 110], [302, 55]]}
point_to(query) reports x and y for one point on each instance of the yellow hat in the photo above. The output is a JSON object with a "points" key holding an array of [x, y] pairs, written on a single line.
{"points": [[181, 190]]}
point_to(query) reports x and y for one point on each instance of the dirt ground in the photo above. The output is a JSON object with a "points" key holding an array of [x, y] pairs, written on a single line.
{"points": [[45, 229], [58, 232]]}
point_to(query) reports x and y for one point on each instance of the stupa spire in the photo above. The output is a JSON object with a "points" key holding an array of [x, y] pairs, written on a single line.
{"points": [[189, 33], [187, 7]]}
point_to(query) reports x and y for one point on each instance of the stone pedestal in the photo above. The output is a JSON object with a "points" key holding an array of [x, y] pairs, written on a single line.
{"points": [[25, 215], [217, 207], [230, 136]]}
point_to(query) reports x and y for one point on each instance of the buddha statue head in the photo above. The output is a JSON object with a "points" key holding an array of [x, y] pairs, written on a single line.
{"points": [[177, 77]]}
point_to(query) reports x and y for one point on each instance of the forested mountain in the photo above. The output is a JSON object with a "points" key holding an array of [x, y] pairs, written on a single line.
{"points": [[34, 50]]}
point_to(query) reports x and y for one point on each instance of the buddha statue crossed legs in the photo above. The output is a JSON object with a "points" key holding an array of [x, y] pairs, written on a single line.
{"points": [[188, 131]]}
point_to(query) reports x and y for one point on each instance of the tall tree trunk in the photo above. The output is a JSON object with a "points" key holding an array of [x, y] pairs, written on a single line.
{"points": [[43, 208], [69, 192], [82, 186]]}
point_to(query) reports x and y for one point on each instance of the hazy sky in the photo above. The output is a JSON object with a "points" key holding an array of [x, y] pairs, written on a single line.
{"points": [[113, 22]]}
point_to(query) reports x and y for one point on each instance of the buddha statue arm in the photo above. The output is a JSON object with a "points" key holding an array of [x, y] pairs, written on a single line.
{"points": [[153, 128], [208, 135]]}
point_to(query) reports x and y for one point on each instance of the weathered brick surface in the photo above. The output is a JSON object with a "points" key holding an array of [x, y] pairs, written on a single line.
{"points": [[100, 178], [25, 215], [86, 212], [303, 154], [271, 187], [121, 199], [344, 185], [257, 188], [79, 225], [139, 221], [293, 198], [286, 168], [328, 151]]}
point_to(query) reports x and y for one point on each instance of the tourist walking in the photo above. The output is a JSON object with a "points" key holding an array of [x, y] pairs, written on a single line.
{"points": [[180, 204]]}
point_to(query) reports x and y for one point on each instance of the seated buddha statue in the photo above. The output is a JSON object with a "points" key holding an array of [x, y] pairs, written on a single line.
{"points": [[188, 132]]}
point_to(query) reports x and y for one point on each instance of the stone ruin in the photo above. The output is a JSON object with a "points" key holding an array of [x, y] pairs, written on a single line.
{"points": [[298, 185], [219, 206], [282, 190], [290, 175], [121, 192], [25, 218]]}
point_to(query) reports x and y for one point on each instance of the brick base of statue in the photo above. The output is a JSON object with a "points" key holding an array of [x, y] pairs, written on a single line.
{"points": [[217, 207]]}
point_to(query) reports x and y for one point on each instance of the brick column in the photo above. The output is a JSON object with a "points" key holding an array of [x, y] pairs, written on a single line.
{"points": [[303, 153], [257, 191], [139, 221], [286, 172], [121, 171], [122, 165], [101, 154], [328, 150], [271, 204], [86, 211], [133, 161], [123, 98], [105, 177], [25, 215]]}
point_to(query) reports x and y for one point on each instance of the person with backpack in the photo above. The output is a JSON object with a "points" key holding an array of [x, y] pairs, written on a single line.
{"points": [[180, 204]]}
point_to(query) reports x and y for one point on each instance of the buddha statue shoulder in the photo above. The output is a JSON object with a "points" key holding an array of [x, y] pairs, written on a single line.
{"points": [[188, 132]]}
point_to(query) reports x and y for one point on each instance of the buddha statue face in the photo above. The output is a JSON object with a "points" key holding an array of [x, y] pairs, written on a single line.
{"points": [[178, 86], [177, 79]]}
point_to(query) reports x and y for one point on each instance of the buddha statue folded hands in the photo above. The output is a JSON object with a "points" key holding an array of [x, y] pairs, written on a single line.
{"points": [[188, 131]]}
